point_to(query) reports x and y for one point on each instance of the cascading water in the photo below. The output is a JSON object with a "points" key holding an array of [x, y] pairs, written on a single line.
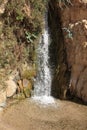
{"points": [[42, 86]]}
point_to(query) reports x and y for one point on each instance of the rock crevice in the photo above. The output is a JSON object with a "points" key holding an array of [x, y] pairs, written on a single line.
{"points": [[57, 53]]}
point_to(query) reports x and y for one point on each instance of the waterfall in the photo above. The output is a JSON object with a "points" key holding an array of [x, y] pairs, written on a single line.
{"points": [[42, 86]]}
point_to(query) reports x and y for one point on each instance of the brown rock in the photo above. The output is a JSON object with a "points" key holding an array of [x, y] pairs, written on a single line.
{"points": [[73, 39], [20, 86], [76, 49], [27, 87], [24, 87], [27, 92], [81, 86], [27, 83]]}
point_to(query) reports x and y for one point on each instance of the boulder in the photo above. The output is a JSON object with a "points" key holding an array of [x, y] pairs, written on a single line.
{"points": [[11, 87]]}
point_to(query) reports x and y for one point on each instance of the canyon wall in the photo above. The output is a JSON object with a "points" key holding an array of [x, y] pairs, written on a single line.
{"points": [[68, 25]]}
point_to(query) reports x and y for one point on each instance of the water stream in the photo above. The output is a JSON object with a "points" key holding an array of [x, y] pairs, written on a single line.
{"points": [[42, 86]]}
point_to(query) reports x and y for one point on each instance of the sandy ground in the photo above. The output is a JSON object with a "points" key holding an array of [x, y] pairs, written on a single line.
{"points": [[27, 115]]}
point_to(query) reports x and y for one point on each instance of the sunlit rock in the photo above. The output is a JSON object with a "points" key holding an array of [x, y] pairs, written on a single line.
{"points": [[11, 87]]}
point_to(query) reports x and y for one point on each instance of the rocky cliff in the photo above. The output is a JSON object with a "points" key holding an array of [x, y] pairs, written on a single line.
{"points": [[68, 25]]}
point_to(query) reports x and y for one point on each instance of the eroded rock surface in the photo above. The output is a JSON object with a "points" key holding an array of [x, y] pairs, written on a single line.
{"points": [[73, 19], [76, 47]]}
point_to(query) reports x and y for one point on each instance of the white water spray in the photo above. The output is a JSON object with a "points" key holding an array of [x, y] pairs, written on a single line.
{"points": [[42, 87]]}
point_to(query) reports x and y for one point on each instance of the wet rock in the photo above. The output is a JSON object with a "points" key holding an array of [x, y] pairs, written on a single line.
{"points": [[81, 86]]}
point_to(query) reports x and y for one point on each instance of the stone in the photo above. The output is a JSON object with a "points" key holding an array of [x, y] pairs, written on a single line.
{"points": [[11, 87], [76, 50], [24, 87], [2, 98], [20, 86], [27, 88], [27, 92], [27, 83]]}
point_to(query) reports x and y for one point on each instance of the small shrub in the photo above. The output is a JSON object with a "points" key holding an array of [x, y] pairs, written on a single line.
{"points": [[69, 33], [30, 37]]}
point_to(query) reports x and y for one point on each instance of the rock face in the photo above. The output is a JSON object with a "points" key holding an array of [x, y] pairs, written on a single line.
{"points": [[76, 47], [72, 20]]}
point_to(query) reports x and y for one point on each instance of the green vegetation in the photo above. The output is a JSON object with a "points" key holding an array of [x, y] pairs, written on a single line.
{"points": [[69, 33], [30, 37], [29, 74], [22, 25]]}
